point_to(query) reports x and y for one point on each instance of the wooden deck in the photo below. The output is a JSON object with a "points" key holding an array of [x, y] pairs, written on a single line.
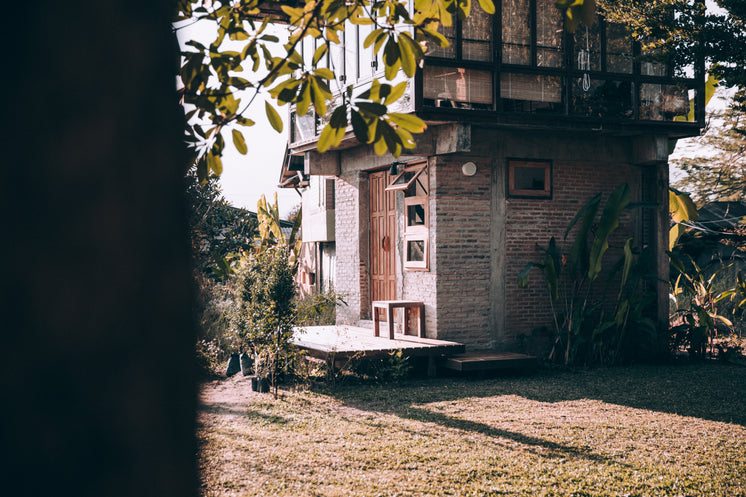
{"points": [[342, 342]]}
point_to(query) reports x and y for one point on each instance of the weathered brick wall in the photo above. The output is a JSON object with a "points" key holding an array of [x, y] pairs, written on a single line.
{"points": [[534, 221], [346, 227], [421, 285], [462, 255]]}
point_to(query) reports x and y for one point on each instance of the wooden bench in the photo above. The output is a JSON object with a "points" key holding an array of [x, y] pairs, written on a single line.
{"points": [[389, 305]]}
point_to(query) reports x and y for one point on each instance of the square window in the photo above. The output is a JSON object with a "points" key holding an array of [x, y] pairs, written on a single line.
{"points": [[530, 179], [415, 247], [406, 178]]}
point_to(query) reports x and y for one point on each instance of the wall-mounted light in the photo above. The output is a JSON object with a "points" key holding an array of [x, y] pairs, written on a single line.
{"points": [[469, 169]]}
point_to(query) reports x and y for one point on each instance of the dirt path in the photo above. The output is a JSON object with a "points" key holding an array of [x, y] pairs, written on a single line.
{"points": [[225, 396]]}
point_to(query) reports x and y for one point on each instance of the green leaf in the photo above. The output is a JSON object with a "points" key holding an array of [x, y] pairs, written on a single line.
{"points": [[408, 122], [487, 6], [523, 274], [304, 101], [214, 163], [339, 117], [371, 108], [396, 93], [681, 206], [319, 53], [239, 142], [408, 62], [274, 118], [359, 126], [244, 121], [323, 72], [617, 202], [317, 96]]}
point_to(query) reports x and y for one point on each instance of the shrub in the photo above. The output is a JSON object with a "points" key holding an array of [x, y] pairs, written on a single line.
{"points": [[318, 309], [265, 311]]}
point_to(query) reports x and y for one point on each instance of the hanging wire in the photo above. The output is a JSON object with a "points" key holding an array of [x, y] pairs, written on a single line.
{"points": [[584, 62]]}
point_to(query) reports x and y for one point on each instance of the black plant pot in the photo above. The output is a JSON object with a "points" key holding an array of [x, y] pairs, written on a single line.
{"points": [[259, 384], [234, 365], [245, 360]]}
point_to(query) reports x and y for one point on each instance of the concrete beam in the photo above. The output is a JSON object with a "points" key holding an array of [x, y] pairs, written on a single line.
{"points": [[649, 149], [316, 164]]}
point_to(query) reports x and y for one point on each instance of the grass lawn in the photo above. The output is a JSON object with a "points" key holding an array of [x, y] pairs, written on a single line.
{"points": [[632, 431]]}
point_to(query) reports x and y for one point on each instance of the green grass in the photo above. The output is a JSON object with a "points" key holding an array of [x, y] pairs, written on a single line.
{"points": [[634, 431]]}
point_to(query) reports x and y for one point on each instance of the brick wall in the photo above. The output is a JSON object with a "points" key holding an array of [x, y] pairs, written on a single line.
{"points": [[533, 221], [469, 296], [421, 285], [462, 240], [346, 227]]}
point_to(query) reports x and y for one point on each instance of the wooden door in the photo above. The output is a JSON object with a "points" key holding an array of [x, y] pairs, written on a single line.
{"points": [[382, 238]]}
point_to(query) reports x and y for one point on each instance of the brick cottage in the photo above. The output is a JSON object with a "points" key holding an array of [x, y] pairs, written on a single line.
{"points": [[526, 122]]}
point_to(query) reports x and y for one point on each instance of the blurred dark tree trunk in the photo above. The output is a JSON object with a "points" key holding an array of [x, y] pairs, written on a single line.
{"points": [[97, 384]]}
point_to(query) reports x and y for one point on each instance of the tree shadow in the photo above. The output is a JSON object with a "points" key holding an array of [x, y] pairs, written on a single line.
{"points": [[710, 390]]}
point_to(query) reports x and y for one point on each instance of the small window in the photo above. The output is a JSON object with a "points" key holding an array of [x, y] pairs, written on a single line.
{"points": [[530, 179], [406, 178], [414, 184]]}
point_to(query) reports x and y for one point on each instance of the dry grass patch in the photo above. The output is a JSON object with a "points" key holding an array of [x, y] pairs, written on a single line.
{"points": [[677, 430]]}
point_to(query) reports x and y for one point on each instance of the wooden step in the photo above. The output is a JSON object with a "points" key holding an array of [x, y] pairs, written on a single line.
{"points": [[484, 360]]}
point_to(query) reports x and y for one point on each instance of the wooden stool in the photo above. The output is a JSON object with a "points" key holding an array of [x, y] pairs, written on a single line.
{"points": [[389, 306]]}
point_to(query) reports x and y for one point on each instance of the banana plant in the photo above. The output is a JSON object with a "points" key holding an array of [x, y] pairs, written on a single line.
{"points": [[695, 285], [270, 229], [570, 277]]}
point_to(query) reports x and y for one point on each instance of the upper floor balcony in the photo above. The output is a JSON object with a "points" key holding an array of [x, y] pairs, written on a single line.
{"points": [[521, 68]]}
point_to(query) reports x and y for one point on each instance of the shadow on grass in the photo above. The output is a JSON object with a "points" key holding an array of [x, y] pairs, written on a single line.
{"points": [[550, 449], [711, 390]]}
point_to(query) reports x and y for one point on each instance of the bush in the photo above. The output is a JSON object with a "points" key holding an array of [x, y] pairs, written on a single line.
{"points": [[318, 309], [266, 310], [214, 304]]}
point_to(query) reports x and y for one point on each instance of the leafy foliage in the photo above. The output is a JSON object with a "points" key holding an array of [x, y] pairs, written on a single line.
{"points": [[683, 32], [722, 174], [215, 75], [318, 309], [588, 328], [693, 291], [219, 231], [270, 229], [265, 309]]}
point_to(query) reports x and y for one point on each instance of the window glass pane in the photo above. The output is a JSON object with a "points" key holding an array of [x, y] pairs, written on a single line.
{"points": [[416, 215], [602, 99], [516, 32], [351, 44], [531, 93], [415, 250], [529, 178], [548, 34], [457, 87], [587, 56], [434, 50], [652, 64], [663, 102], [618, 49], [307, 52], [336, 59], [304, 126], [365, 55], [476, 35]]}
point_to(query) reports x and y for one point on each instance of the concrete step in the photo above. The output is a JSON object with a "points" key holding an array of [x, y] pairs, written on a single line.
{"points": [[485, 360]]}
